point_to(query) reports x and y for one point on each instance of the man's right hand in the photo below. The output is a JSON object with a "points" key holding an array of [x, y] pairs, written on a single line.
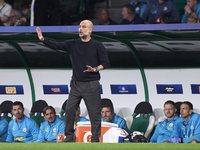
{"points": [[39, 33], [187, 9]]}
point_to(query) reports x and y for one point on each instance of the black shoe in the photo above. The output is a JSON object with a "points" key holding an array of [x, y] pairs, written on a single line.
{"points": [[94, 140], [67, 140]]}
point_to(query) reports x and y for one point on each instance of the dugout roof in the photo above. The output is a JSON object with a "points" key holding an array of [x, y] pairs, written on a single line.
{"points": [[128, 46]]}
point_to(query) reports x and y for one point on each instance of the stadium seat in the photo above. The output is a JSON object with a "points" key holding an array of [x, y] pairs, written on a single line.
{"points": [[36, 111], [162, 118], [62, 111], [87, 117], [71, 10], [178, 105], [26, 112], [196, 110], [6, 107], [57, 109], [142, 119], [158, 112]]}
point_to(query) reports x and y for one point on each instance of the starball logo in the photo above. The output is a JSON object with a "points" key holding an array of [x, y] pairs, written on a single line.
{"points": [[123, 89]]}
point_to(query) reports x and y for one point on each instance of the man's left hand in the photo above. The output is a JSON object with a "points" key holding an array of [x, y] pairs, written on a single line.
{"points": [[89, 69]]}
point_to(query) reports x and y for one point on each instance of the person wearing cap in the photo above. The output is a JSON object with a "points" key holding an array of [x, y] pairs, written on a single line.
{"points": [[3, 127], [187, 129], [51, 127], [108, 115]]}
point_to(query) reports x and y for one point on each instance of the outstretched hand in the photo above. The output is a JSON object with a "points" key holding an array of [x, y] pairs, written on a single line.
{"points": [[39, 33], [89, 69]]}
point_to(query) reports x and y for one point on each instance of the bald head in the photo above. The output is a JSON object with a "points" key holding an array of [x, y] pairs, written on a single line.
{"points": [[89, 24]]}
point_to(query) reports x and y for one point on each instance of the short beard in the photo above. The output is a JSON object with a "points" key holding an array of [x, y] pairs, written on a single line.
{"points": [[84, 36], [51, 120], [186, 116], [171, 116], [20, 117], [109, 119]]}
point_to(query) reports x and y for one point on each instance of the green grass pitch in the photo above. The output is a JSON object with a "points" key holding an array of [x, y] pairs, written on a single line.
{"points": [[97, 146]]}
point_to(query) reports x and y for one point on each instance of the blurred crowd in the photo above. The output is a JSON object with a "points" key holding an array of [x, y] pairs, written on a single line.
{"points": [[65, 12]]}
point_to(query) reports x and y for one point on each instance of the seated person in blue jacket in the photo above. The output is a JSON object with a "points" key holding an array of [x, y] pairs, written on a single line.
{"points": [[164, 129], [155, 9], [3, 127], [51, 127], [139, 6], [108, 115], [22, 128], [187, 128], [192, 6]]}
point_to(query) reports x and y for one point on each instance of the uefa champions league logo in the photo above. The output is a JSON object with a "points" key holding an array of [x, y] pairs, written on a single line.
{"points": [[123, 89]]}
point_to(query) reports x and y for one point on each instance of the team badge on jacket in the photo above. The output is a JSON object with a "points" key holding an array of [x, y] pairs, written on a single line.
{"points": [[24, 129]]}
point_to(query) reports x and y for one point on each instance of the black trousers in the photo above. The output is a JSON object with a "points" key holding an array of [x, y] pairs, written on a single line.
{"points": [[90, 92]]}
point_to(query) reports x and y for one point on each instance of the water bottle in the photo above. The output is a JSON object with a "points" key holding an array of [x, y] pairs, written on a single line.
{"points": [[58, 136]]}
